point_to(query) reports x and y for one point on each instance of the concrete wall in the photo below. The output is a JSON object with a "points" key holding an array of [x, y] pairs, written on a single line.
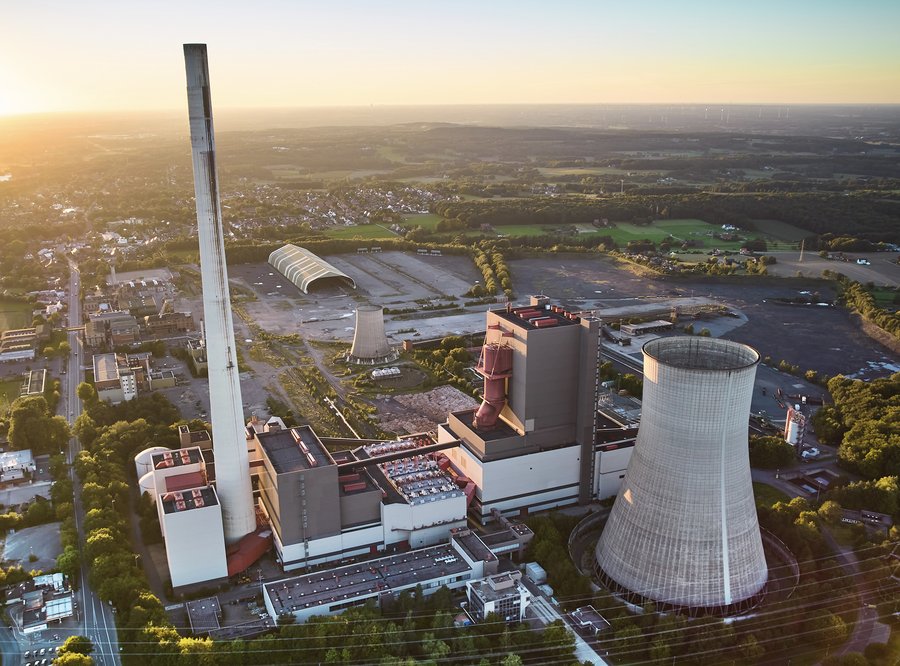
{"points": [[195, 545]]}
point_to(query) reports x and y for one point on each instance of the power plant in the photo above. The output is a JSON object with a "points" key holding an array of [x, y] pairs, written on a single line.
{"points": [[683, 531], [232, 465], [537, 441], [370, 344]]}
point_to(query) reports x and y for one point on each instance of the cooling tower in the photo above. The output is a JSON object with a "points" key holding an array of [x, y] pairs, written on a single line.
{"points": [[683, 530], [370, 344]]}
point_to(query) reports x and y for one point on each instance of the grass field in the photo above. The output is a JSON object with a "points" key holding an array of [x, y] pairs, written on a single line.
{"points": [[9, 391], [14, 314], [884, 299], [427, 221], [550, 172], [767, 495], [781, 230], [362, 231]]}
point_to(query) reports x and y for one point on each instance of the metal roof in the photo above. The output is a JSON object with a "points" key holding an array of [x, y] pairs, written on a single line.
{"points": [[302, 267]]}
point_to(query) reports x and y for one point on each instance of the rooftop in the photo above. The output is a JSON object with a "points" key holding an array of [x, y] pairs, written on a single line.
{"points": [[587, 617], [324, 588], [530, 317], [106, 368], [419, 479], [472, 545], [177, 458], [203, 614], [294, 450], [498, 586], [502, 430], [197, 498]]}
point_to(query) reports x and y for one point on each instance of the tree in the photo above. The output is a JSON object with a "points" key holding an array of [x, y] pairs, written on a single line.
{"points": [[86, 393], [830, 512], [73, 659], [77, 644], [826, 627]]}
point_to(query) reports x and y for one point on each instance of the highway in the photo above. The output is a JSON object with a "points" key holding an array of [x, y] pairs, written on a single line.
{"points": [[95, 618]]}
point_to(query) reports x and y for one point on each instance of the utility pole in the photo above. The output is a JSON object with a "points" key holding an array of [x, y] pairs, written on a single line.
{"points": [[802, 247]]}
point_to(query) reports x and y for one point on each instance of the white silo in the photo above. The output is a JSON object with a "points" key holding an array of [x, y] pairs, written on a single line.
{"points": [[143, 461], [370, 344], [683, 531]]}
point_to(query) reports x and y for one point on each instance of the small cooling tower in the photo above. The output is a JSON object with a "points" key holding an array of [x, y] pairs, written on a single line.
{"points": [[370, 344], [683, 531]]}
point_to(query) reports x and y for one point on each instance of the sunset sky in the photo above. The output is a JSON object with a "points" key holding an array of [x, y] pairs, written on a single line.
{"points": [[59, 55]]}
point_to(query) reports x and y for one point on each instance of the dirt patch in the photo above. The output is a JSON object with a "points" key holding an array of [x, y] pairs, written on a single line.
{"points": [[419, 412]]}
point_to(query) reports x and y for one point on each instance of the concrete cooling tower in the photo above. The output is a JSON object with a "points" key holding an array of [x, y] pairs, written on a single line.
{"points": [[683, 530], [370, 344]]}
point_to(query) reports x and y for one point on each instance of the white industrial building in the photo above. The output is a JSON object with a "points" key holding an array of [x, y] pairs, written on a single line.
{"points": [[191, 518], [451, 565], [501, 594]]}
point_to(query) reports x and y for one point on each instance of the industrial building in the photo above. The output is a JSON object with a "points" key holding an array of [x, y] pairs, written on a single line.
{"points": [[370, 344], [111, 328], [502, 594], [325, 507], [303, 268], [451, 565], [533, 442], [683, 531], [119, 377]]}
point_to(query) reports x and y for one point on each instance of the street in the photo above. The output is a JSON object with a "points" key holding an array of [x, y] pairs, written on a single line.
{"points": [[95, 618]]}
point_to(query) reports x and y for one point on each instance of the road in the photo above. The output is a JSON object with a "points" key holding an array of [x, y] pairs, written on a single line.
{"points": [[95, 617]]}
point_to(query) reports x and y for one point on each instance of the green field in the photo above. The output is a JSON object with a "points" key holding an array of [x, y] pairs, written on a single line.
{"points": [[362, 231], [14, 314], [781, 230], [550, 172], [427, 221], [767, 495], [884, 299], [9, 391]]}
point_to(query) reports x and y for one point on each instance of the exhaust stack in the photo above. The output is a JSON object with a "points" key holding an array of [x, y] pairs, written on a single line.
{"points": [[229, 443]]}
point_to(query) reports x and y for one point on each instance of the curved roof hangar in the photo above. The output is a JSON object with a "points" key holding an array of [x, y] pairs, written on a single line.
{"points": [[302, 267]]}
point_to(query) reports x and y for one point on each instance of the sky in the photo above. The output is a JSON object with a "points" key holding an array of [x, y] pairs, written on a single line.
{"points": [[99, 55]]}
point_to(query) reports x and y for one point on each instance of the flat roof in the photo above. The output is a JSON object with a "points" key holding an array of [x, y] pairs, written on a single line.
{"points": [[473, 546], [176, 457], [588, 616], [203, 614], [502, 430], [106, 368], [198, 498], [526, 315], [294, 449], [498, 586], [335, 586], [419, 479]]}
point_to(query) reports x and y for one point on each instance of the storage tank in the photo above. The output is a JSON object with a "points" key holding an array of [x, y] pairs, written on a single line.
{"points": [[143, 461], [147, 484], [683, 531]]}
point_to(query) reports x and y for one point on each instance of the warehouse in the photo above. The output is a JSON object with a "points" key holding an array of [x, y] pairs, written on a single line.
{"points": [[303, 268]]}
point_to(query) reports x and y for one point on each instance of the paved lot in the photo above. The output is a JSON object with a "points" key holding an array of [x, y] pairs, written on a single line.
{"points": [[822, 338], [881, 269], [42, 541]]}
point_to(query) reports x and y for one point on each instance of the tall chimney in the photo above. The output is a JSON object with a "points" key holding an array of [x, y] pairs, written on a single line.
{"points": [[229, 443]]}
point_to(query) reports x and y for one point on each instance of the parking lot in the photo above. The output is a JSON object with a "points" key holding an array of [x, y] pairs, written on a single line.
{"points": [[821, 338]]}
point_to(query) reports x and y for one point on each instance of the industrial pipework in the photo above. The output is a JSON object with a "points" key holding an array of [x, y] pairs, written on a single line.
{"points": [[495, 365]]}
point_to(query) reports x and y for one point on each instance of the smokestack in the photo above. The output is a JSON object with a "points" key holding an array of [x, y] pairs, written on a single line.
{"points": [[229, 443]]}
